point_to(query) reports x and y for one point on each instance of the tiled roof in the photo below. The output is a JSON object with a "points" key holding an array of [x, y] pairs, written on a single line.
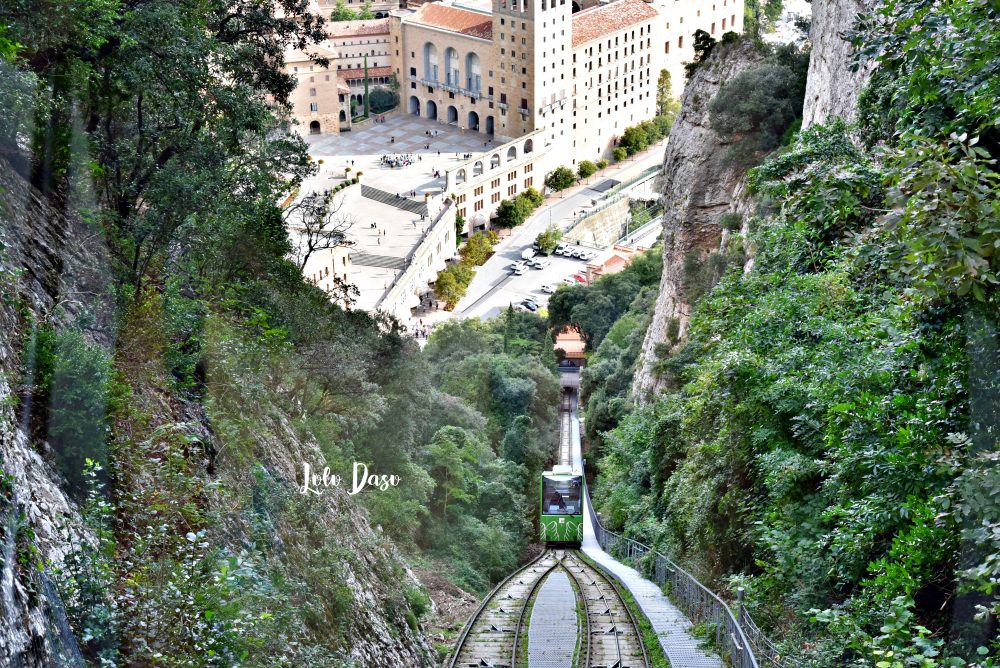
{"points": [[594, 23], [359, 72], [293, 55], [454, 19], [357, 28]]}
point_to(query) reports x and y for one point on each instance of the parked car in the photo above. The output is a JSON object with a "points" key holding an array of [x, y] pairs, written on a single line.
{"points": [[569, 280], [519, 270], [575, 253], [580, 278], [530, 305], [548, 288], [527, 253], [541, 263], [560, 249]]}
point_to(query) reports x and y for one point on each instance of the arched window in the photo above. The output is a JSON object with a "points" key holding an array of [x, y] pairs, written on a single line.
{"points": [[511, 153], [477, 168], [473, 74], [529, 146], [414, 105], [460, 176], [430, 62], [452, 114], [474, 121], [494, 161], [314, 128], [451, 73]]}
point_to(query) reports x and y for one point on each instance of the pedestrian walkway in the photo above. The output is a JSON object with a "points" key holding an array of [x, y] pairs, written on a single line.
{"points": [[550, 645], [672, 628]]}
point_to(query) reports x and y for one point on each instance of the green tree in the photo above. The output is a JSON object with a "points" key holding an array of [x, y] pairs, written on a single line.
{"points": [[548, 239], [383, 99], [602, 164], [560, 178], [452, 284], [758, 106], [512, 212], [478, 248], [664, 93], [619, 154], [366, 13], [342, 13], [703, 46], [534, 196], [634, 140], [586, 169], [451, 456]]}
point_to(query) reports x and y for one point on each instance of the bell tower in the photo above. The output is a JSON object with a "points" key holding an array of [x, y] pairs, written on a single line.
{"points": [[532, 49]]}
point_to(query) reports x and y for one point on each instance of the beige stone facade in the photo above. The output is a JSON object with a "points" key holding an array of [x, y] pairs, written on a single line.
{"points": [[321, 102], [327, 266], [680, 19], [577, 78]]}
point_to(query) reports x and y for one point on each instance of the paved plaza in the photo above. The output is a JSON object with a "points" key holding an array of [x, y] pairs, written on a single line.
{"points": [[397, 232], [367, 145]]}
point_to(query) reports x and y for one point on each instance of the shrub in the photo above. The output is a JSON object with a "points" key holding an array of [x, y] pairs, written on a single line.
{"points": [[602, 164], [731, 221], [70, 378], [619, 154], [560, 178], [586, 169]]}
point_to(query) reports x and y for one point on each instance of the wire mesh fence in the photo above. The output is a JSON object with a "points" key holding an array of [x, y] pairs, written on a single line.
{"points": [[736, 638]]}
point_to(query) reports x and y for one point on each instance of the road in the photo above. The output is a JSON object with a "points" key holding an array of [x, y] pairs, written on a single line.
{"points": [[494, 287]]}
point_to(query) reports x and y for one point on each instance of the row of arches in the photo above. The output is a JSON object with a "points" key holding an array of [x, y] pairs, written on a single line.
{"points": [[477, 167], [451, 115], [473, 81]]}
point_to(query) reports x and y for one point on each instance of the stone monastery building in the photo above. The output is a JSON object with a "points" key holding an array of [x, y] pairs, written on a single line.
{"points": [[545, 82], [577, 77]]}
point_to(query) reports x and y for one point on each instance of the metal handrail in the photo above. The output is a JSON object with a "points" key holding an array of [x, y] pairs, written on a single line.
{"points": [[695, 600]]}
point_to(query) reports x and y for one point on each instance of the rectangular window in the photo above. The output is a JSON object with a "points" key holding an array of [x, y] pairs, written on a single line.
{"points": [[313, 106], [312, 92], [478, 191], [478, 206]]}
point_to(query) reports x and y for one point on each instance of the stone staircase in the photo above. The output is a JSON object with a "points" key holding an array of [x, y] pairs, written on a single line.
{"points": [[381, 261], [404, 203]]}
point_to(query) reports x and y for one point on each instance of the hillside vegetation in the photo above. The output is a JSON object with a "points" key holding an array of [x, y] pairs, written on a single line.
{"points": [[828, 435], [180, 403]]}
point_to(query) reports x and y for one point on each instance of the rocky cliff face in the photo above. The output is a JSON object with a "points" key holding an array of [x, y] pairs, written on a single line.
{"points": [[53, 270], [697, 187], [832, 88], [50, 269]]}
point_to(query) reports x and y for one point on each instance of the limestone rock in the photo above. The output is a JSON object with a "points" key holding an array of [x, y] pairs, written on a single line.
{"points": [[697, 186], [832, 88]]}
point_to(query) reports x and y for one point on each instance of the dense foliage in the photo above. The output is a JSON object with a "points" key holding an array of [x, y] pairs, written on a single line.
{"points": [[756, 108], [827, 435], [160, 125]]}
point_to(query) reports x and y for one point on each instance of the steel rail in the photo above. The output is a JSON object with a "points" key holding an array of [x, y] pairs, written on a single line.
{"points": [[460, 645], [611, 580], [524, 609]]}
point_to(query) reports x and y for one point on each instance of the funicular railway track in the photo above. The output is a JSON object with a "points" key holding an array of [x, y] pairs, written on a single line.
{"points": [[606, 634]]}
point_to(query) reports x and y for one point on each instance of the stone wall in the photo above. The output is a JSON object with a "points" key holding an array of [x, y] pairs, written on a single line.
{"points": [[423, 263], [602, 228]]}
